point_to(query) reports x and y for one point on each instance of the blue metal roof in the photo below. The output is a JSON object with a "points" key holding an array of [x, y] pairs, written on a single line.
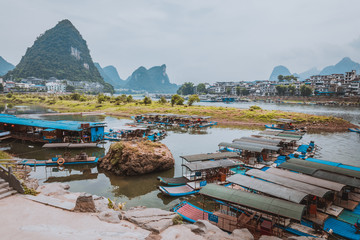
{"points": [[62, 125], [336, 164]]}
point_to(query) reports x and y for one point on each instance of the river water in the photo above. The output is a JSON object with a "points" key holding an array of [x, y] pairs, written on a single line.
{"points": [[142, 190]]}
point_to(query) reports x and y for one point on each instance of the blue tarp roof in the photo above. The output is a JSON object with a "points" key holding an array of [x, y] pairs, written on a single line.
{"points": [[336, 164], [62, 125]]}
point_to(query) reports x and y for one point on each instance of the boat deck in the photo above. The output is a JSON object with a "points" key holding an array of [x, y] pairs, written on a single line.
{"points": [[319, 218], [173, 181], [178, 190], [350, 205], [191, 213]]}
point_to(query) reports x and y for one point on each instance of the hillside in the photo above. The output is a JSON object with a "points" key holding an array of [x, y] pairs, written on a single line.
{"points": [[279, 70], [5, 66], [154, 80], [110, 75], [60, 52]]}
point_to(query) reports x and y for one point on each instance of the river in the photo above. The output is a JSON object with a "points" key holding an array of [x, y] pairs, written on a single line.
{"points": [[142, 190]]}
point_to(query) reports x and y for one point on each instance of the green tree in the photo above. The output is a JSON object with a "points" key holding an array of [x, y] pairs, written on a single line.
{"points": [[101, 98], [305, 91], [177, 100], [162, 100], [201, 88], [238, 90], [186, 89], [129, 99], [228, 90], [281, 90], [75, 96], [1, 88], [244, 92], [193, 98], [70, 88], [292, 90], [281, 78], [147, 100]]}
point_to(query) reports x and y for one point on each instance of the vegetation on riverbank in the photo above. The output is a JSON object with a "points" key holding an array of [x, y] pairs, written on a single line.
{"points": [[125, 106]]}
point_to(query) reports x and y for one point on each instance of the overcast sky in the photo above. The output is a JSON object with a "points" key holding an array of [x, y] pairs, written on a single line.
{"points": [[198, 40]]}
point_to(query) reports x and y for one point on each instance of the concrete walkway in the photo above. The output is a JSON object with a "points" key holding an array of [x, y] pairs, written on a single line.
{"points": [[21, 218]]}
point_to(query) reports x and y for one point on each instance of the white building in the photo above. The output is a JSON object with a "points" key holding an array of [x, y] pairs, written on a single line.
{"points": [[55, 87]]}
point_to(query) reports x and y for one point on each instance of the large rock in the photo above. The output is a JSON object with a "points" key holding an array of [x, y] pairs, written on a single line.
{"points": [[85, 203], [266, 237], [110, 216], [209, 231], [136, 158], [243, 234], [180, 232], [53, 189], [152, 219]]}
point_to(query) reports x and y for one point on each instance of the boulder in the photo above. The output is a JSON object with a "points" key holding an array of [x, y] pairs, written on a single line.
{"points": [[110, 216], [53, 189], [31, 183], [242, 234], [304, 238], [101, 203], [179, 232], [152, 219], [85, 203], [137, 158], [209, 231]]}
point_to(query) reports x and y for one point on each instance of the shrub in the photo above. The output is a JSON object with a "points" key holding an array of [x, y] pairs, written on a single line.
{"points": [[193, 98], [254, 108], [147, 100], [75, 96], [177, 100], [9, 95], [162, 100]]}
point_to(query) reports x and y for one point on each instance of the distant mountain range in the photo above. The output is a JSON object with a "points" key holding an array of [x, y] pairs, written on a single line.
{"points": [[5, 66], [110, 75], [60, 52], [345, 65]]}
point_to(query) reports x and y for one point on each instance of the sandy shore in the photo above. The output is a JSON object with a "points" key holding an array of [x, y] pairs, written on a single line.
{"points": [[25, 219]]}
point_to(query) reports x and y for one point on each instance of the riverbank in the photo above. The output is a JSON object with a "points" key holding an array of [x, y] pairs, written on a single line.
{"points": [[226, 116], [52, 214]]}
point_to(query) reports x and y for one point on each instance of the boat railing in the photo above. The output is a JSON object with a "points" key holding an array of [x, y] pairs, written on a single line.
{"points": [[6, 173]]}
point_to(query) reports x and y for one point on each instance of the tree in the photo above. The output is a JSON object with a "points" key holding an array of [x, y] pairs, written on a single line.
{"points": [[228, 90], [238, 90], [1, 88], [177, 99], [147, 100], [281, 78], [162, 100], [193, 98], [70, 88], [101, 98], [75, 96], [305, 91], [281, 90], [292, 90], [186, 89], [244, 92], [129, 99], [201, 88]]}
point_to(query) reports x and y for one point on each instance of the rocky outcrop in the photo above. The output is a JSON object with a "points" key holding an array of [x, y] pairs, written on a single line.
{"points": [[110, 216], [152, 219], [85, 203], [136, 158]]}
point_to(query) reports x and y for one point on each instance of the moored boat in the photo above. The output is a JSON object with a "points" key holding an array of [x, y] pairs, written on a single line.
{"points": [[82, 158]]}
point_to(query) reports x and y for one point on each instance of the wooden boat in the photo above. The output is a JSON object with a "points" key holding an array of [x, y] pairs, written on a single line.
{"points": [[179, 191], [82, 158], [178, 181], [354, 130]]}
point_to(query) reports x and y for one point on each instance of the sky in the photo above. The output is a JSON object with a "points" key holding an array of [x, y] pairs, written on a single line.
{"points": [[198, 40]]}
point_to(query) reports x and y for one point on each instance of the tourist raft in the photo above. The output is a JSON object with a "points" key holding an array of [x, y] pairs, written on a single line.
{"points": [[82, 158], [277, 187]]}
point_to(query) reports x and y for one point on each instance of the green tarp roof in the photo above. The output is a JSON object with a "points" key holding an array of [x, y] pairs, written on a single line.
{"points": [[254, 201], [209, 156], [328, 168], [269, 188], [349, 181], [242, 147], [205, 165]]}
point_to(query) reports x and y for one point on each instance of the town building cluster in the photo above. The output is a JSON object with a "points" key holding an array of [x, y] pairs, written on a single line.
{"points": [[51, 85], [347, 84]]}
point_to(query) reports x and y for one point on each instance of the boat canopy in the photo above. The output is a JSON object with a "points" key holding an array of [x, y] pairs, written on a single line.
{"points": [[307, 179], [262, 145], [242, 147], [328, 168], [258, 140], [269, 188], [209, 156], [253, 201], [348, 181], [300, 186], [205, 165], [282, 139], [298, 168]]}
